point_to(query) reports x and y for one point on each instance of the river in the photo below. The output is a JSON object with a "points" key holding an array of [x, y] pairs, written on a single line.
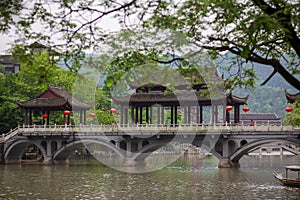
{"points": [[187, 178]]}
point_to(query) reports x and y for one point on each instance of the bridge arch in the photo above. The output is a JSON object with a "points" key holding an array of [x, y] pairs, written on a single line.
{"points": [[243, 150], [65, 151], [14, 152], [148, 149]]}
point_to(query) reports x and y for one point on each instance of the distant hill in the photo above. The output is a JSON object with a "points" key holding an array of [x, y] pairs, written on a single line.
{"points": [[269, 98]]}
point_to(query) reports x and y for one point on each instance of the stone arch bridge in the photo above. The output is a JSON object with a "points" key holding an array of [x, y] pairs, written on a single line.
{"points": [[133, 143]]}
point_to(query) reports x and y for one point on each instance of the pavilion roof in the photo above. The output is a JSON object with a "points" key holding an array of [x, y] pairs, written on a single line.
{"points": [[186, 97], [232, 99], [291, 98], [54, 98]]}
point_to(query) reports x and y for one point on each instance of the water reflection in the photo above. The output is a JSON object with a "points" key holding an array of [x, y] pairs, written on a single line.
{"points": [[187, 178]]}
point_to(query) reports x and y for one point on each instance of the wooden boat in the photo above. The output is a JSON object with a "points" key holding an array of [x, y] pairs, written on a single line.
{"points": [[286, 180]]}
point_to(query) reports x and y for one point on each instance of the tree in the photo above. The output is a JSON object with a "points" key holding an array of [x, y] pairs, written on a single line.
{"points": [[33, 79], [254, 31], [294, 118]]}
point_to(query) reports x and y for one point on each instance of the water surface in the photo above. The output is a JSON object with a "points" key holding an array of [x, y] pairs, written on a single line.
{"points": [[187, 178]]}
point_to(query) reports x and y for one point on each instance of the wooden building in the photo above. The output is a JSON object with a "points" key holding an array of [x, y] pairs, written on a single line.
{"points": [[54, 99], [150, 100]]}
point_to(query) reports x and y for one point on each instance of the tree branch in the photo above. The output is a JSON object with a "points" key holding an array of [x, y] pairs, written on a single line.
{"points": [[271, 75], [258, 59]]}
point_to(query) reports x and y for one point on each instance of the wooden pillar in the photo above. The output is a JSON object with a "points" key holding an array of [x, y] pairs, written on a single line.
{"points": [[172, 115], [30, 117], [212, 114], [162, 115], [147, 114], [175, 115], [216, 114], [84, 117], [69, 119], [80, 116], [141, 115], [132, 115], [201, 114], [121, 114], [189, 114], [151, 115], [185, 114], [227, 115], [126, 115], [197, 114], [224, 113], [48, 119], [158, 115], [236, 113], [136, 115], [25, 116]]}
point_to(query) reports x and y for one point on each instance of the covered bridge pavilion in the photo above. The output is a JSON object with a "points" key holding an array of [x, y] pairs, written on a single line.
{"points": [[150, 100], [54, 99]]}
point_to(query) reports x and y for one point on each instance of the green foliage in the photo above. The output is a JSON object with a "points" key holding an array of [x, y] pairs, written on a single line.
{"points": [[9, 9], [265, 31], [293, 118], [37, 72], [265, 99]]}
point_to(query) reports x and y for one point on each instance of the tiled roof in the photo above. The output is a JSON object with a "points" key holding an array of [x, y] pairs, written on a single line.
{"points": [[8, 59], [60, 99], [178, 98]]}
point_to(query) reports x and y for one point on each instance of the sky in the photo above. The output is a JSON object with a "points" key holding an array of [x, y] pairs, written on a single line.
{"points": [[107, 23]]}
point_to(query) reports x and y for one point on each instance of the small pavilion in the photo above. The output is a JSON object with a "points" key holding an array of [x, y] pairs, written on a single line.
{"points": [[150, 100], [54, 99]]}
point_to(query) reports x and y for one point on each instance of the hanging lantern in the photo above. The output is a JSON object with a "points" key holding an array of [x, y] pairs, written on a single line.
{"points": [[113, 110], [67, 112], [288, 109], [92, 115], [246, 109], [45, 116], [228, 108]]}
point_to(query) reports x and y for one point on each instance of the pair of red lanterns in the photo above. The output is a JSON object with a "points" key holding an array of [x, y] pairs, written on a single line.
{"points": [[66, 112], [229, 108]]}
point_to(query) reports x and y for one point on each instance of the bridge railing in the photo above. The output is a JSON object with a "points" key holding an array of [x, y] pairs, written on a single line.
{"points": [[150, 128], [10, 134]]}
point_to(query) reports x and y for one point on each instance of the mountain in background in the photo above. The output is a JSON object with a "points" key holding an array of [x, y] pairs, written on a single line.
{"points": [[269, 98]]}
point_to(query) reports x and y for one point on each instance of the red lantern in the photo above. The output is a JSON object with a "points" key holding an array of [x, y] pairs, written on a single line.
{"points": [[92, 115], [288, 109], [246, 109], [113, 110], [228, 108], [45, 116], [66, 112]]}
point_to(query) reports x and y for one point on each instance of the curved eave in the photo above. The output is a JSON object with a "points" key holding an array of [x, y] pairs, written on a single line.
{"points": [[232, 99], [28, 106], [291, 98]]}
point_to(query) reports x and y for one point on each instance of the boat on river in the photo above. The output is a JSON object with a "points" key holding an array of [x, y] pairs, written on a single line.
{"points": [[287, 180]]}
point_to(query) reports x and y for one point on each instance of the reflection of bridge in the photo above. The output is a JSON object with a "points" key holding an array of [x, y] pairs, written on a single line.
{"points": [[133, 143]]}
